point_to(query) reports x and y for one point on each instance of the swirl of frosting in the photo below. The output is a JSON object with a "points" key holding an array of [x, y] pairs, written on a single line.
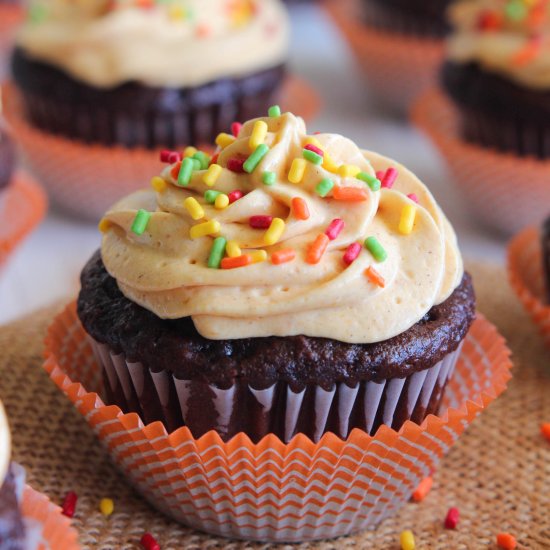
{"points": [[166, 271], [173, 43], [508, 38]]}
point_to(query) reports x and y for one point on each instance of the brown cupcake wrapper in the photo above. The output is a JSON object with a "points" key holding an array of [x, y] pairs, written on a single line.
{"points": [[160, 396]]}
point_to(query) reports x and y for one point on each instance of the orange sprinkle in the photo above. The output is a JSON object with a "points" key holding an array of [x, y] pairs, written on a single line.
{"points": [[283, 256], [545, 430], [300, 208], [239, 261], [506, 541], [536, 16], [527, 53], [176, 170], [374, 277], [317, 249], [349, 194], [423, 489]]}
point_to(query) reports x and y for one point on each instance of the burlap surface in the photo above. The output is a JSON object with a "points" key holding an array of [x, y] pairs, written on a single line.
{"points": [[498, 475]]}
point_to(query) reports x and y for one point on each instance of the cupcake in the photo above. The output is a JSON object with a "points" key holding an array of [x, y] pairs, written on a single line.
{"points": [[496, 74], [150, 74], [291, 284]]}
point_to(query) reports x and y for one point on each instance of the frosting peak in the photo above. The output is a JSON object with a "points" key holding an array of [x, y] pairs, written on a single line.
{"points": [[309, 244]]}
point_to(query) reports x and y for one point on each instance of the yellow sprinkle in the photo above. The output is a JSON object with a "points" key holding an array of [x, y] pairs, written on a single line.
{"points": [[158, 184], [258, 256], [176, 13], [348, 170], [203, 229], [329, 165], [408, 215], [313, 141], [194, 208], [232, 249], [297, 170], [275, 232], [224, 140], [212, 174], [258, 135], [189, 151], [407, 540], [106, 506], [104, 225], [222, 201]]}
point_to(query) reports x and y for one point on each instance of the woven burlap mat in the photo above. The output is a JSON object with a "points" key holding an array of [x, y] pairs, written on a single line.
{"points": [[498, 474]]}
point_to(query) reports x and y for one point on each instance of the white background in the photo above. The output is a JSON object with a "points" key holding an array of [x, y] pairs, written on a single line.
{"points": [[46, 267]]}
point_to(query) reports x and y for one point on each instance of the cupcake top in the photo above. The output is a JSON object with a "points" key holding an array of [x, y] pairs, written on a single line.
{"points": [[508, 37], [283, 233], [5, 444], [164, 43]]}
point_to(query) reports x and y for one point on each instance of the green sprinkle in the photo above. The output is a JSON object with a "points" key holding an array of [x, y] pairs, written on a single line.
{"points": [[37, 14], [186, 171], [516, 10], [274, 111], [312, 157], [324, 187], [140, 221], [269, 178], [196, 164], [216, 253], [203, 158], [372, 181], [372, 244], [255, 158], [210, 196]]}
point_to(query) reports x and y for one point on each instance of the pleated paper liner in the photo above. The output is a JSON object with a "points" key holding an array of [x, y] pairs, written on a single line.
{"points": [[397, 67], [504, 191], [86, 180], [525, 272], [273, 491], [10, 17], [56, 530], [24, 206]]}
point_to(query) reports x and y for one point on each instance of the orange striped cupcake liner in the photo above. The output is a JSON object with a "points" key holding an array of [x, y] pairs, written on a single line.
{"points": [[398, 68], [23, 207], [272, 491], [525, 272], [504, 191], [86, 180]]}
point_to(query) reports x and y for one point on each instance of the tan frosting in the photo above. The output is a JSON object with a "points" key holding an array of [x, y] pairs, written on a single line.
{"points": [[5, 444], [496, 49], [161, 45], [166, 271]]}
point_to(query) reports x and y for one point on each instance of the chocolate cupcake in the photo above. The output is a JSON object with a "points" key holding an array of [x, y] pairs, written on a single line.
{"points": [[545, 236], [150, 75], [496, 74], [291, 284]]}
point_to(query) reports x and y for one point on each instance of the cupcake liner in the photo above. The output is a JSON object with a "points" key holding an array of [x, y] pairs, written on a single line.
{"points": [[525, 272], [86, 180], [159, 396], [398, 68], [506, 192], [24, 207], [270, 490], [10, 17]]}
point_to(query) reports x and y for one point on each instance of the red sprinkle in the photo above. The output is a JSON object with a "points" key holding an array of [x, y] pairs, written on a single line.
{"points": [[451, 521], [235, 196], [334, 229], [170, 156], [311, 147], [389, 178], [149, 543], [352, 251], [260, 222], [235, 164], [380, 174], [236, 128], [69, 504], [413, 197], [176, 170], [214, 159]]}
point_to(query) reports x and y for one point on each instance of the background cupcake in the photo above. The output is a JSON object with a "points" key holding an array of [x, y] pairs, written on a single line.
{"points": [[343, 332]]}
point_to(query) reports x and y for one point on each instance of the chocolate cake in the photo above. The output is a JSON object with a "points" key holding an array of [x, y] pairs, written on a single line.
{"points": [[12, 532], [7, 158], [545, 234]]}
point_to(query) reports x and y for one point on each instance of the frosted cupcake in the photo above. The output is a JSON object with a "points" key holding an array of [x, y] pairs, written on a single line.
{"points": [[291, 284]]}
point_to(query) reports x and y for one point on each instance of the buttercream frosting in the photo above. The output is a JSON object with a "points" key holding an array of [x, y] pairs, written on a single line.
{"points": [[166, 271], [172, 43], [510, 38]]}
